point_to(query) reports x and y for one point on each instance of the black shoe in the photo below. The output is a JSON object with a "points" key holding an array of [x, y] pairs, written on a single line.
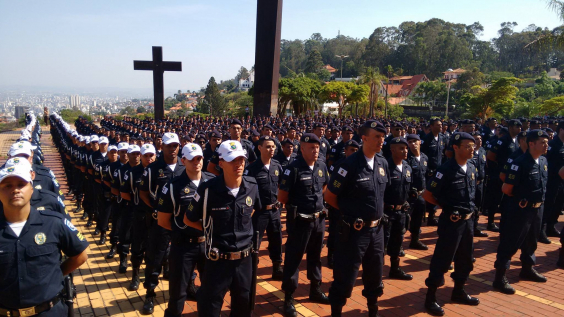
{"points": [[432, 222], [552, 232], [402, 252], [84, 215], [73, 198], [148, 306], [543, 238], [493, 227], [530, 274], [431, 303], [501, 283], [289, 309], [122, 268], [96, 232], [112, 252], [460, 296], [277, 273], [373, 311], [480, 234], [316, 295], [192, 290], [399, 274], [418, 245], [560, 262], [102, 239], [134, 280]]}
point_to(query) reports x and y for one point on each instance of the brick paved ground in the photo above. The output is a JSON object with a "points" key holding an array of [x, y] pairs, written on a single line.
{"points": [[103, 292]]}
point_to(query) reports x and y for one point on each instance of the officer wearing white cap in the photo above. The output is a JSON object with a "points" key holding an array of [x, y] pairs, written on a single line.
{"points": [[26, 231], [223, 207], [157, 175], [103, 177], [187, 243], [97, 159], [235, 129]]}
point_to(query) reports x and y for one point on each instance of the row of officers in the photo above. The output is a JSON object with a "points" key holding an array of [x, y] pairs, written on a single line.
{"points": [[209, 222]]}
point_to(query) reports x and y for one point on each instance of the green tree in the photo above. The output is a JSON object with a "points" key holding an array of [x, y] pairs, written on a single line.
{"points": [[301, 93], [553, 106], [128, 111], [314, 62], [342, 93], [214, 99], [373, 79], [141, 109], [70, 115], [484, 102]]}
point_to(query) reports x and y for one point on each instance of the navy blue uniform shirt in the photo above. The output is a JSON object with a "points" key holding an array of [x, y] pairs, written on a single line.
{"points": [[434, 150], [399, 185], [156, 176], [267, 180], [528, 178], [419, 170], [453, 188], [304, 185]]}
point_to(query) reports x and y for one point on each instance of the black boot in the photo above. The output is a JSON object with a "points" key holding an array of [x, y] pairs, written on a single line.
{"points": [[149, 305], [396, 272], [84, 216], [492, 227], [277, 273], [373, 311], [560, 262], [551, 231], [102, 239], [330, 261], [289, 309], [122, 268], [112, 252], [460, 296], [336, 310], [316, 294], [192, 290], [543, 238], [431, 303], [530, 274], [479, 233], [134, 280], [96, 232], [416, 244], [501, 283], [79, 207]]}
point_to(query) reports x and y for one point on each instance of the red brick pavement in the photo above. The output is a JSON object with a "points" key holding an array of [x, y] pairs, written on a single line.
{"points": [[102, 291]]}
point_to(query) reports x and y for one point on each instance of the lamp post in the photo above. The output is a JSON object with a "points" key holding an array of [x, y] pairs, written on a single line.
{"points": [[448, 90], [342, 57]]}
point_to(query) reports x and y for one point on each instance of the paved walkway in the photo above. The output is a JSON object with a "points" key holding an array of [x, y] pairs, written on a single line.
{"points": [[103, 292]]}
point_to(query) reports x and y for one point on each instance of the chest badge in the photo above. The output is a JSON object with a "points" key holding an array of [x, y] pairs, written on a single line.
{"points": [[320, 173], [472, 176], [323, 144], [186, 190], [408, 174], [38, 187], [425, 163], [545, 168], [249, 201], [382, 173], [161, 173], [484, 157], [276, 173], [40, 238]]}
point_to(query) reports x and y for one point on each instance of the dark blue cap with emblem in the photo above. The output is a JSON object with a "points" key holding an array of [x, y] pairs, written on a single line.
{"points": [[310, 138], [413, 137], [373, 124], [398, 140]]}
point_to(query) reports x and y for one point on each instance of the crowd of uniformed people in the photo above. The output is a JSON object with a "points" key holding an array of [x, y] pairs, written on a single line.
{"points": [[200, 193]]}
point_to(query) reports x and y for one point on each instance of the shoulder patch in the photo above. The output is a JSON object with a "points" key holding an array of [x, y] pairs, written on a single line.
{"points": [[287, 172], [197, 197], [514, 167], [165, 189], [70, 225], [343, 172], [439, 175]]}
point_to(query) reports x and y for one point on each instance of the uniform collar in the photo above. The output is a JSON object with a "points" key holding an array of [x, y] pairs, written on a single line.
{"points": [[33, 219], [221, 187]]}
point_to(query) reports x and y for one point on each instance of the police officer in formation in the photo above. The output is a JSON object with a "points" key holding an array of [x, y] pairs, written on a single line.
{"points": [[433, 145], [418, 162]]}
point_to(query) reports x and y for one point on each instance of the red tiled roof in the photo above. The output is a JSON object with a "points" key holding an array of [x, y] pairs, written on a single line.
{"points": [[329, 68]]}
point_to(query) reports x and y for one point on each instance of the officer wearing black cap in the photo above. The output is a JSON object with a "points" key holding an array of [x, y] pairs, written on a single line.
{"points": [[301, 189], [497, 156], [555, 187], [33, 239], [396, 130], [187, 243], [268, 173], [453, 188], [104, 179], [357, 189], [418, 162], [286, 156], [433, 145], [351, 147], [324, 146], [338, 151], [396, 205], [525, 185], [479, 160], [214, 141], [222, 208]]}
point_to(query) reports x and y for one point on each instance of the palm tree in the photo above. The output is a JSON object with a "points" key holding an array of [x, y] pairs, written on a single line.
{"points": [[555, 40], [373, 79]]}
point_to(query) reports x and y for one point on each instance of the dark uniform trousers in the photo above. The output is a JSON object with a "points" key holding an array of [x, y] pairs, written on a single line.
{"points": [[139, 236], [554, 201], [478, 203], [304, 237], [158, 248], [79, 182], [455, 243], [127, 215], [334, 219], [519, 229], [116, 221], [224, 275], [105, 213], [394, 230], [269, 221], [417, 213], [183, 258], [364, 247]]}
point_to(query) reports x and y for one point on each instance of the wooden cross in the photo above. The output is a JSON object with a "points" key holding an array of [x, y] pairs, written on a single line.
{"points": [[158, 67]]}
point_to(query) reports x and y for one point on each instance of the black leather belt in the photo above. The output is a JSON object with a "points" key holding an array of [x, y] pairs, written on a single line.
{"points": [[394, 207], [524, 203], [455, 216], [359, 223], [276, 205], [313, 216], [187, 240], [215, 254], [31, 311]]}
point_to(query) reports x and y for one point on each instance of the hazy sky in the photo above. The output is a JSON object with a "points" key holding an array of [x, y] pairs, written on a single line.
{"points": [[92, 44]]}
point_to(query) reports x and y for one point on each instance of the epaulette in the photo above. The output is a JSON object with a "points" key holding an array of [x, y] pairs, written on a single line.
{"points": [[52, 214], [250, 179]]}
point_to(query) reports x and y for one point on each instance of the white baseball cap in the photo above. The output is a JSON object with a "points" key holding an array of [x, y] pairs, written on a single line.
{"points": [[230, 150], [133, 148], [18, 161], [112, 148], [148, 148], [170, 137], [81, 138], [104, 140], [18, 171], [87, 139], [94, 138], [191, 150], [20, 148], [123, 146]]}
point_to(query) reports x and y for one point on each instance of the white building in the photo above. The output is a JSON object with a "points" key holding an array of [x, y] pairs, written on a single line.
{"points": [[247, 83]]}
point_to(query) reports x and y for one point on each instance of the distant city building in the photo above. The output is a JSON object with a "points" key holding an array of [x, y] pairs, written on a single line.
{"points": [[452, 75], [74, 101], [20, 111], [247, 83]]}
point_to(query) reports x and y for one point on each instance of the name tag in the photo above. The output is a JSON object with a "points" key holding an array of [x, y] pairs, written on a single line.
{"points": [[220, 209], [363, 179], [305, 178]]}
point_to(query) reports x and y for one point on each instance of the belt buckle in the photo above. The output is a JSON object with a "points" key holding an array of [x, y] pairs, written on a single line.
{"points": [[455, 216], [523, 203], [537, 205], [235, 256], [358, 224], [30, 311], [214, 254]]}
